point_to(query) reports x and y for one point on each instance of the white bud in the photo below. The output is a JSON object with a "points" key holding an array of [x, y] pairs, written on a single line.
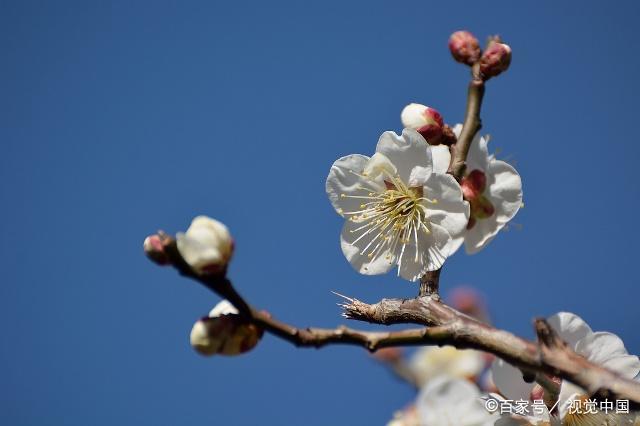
{"points": [[207, 245], [426, 120], [224, 332]]}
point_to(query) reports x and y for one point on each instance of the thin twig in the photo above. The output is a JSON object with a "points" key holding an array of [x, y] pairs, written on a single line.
{"points": [[472, 124], [444, 326]]}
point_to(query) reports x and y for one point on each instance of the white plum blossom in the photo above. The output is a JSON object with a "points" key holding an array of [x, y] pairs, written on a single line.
{"points": [[492, 187], [429, 362], [398, 211], [447, 401], [602, 348], [207, 245]]}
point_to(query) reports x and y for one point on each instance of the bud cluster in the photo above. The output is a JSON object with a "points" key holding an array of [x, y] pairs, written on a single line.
{"points": [[495, 59]]}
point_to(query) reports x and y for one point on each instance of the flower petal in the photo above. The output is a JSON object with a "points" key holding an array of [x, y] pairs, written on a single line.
{"points": [[483, 231], [446, 400], [570, 327], [413, 117], [379, 165], [432, 252], [353, 248], [568, 392], [538, 418], [478, 156], [455, 244], [343, 180], [432, 361], [407, 152], [196, 253], [505, 194], [505, 190], [608, 350], [451, 211], [509, 380], [224, 307], [441, 158]]}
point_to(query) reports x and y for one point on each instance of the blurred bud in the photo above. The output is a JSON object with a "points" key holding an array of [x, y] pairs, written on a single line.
{"points": [[154, 249], [224, 332], [495, 59], [427, 121], [537, 393], [389, 355], [467, 300], [207, 246], [464, 47]]}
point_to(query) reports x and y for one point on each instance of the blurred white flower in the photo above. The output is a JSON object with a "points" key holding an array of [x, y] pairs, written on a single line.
{"points": [[447, 401], [528, 417], [432, 361], [492, 187], [224, 332], [207, 245], [602, 348], [406, 417], [399, 212]]}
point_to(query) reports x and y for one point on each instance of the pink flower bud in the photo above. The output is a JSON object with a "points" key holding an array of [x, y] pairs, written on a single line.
{"points": [[389, 355], [464, 47], [467, 300], [473, 184], [154, 249], [495, 60], [224, 332], [427, 121]]}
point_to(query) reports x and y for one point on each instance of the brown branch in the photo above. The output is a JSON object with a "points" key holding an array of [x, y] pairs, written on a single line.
{"points": [[445, 326], [430, 284], [314, 337], [471, 126], [550, 355]]}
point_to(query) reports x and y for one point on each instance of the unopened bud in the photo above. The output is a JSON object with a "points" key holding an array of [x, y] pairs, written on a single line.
{"points": [[464, 47], [389, 355], [448, 136], [207, 246], [224, 332], [495, 60], [473, 184], [154, 249], [468, 301], [427, 121]]}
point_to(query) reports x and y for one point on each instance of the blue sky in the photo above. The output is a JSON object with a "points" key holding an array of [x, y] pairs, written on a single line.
{"points": [[121, 118]]}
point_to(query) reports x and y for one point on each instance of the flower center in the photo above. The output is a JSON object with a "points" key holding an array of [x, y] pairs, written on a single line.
{"points": [[392, 218]]}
